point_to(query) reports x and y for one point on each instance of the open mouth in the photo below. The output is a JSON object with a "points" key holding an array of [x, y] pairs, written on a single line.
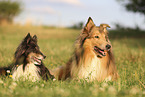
{"points": [[100, 51], [37, 61]]}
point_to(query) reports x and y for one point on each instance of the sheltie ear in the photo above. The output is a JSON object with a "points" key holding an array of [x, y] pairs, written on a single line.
{"points": [[27, 38], [103, 28], [90, 24], [35, 38], [23, 46]]}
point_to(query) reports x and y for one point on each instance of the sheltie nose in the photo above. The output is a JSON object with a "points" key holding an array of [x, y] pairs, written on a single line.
{"points": [[108, 46], [44, 56]]}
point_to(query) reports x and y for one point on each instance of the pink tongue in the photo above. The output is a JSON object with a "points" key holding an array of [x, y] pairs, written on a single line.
{"points": [[37, 60], [102, 52]]}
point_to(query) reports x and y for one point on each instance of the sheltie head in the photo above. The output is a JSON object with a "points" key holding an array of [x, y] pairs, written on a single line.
{"points": [[28, 51], [97, 36]]}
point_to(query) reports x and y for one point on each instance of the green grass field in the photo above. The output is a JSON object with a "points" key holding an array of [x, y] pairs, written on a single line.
{"points": [[57, 45]]}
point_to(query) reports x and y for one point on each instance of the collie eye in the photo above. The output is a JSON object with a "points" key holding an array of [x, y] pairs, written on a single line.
{"points": [[96, 36]]}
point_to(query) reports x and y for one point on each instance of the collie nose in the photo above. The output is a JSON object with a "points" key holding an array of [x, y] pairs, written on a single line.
{"points": [[108, 46]]}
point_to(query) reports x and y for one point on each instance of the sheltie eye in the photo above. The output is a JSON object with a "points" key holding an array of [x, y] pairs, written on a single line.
{"points": [[96, 36]]}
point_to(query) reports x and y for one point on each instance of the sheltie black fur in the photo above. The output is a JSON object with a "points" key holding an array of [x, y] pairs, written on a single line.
{"points": [[28, 52]]}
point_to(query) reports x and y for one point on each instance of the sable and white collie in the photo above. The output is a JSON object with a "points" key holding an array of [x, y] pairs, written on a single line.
{"points": [[28, 63], [92, 58]]}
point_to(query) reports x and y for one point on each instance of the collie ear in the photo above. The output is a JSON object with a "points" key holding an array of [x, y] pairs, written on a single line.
{"points": [[90, 24], [35, 38], [103, 27]]}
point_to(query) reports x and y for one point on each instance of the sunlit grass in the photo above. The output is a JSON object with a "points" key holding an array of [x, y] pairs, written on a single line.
{"points": [[57, 45]]}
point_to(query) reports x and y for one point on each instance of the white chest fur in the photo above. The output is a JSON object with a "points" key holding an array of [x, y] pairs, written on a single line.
{"points": [[31, 73], [92, 70]]}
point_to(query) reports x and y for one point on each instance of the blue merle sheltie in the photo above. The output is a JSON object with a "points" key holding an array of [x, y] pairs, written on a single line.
{"points": [[27, 63]]}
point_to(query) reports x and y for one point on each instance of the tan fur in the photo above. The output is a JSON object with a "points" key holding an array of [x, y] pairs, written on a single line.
{"points": [[86, 63]]}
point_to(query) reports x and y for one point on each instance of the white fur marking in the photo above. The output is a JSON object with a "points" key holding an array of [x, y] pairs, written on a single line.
{"points": [[91, 72], [30, 73]]}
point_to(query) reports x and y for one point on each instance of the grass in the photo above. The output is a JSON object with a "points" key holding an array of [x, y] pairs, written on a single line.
{"points": [[57, 45]]}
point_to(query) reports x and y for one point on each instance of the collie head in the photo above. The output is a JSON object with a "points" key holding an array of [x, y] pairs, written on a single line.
{"points": [[94, 37], [28, 51]]}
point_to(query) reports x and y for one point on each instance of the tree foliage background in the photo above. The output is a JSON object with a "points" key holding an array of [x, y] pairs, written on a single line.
{"points": [[8, 10], [134, 5]]}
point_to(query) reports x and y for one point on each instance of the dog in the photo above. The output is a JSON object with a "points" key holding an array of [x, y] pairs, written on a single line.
{"points": [[27, 63], [92, 58]]}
